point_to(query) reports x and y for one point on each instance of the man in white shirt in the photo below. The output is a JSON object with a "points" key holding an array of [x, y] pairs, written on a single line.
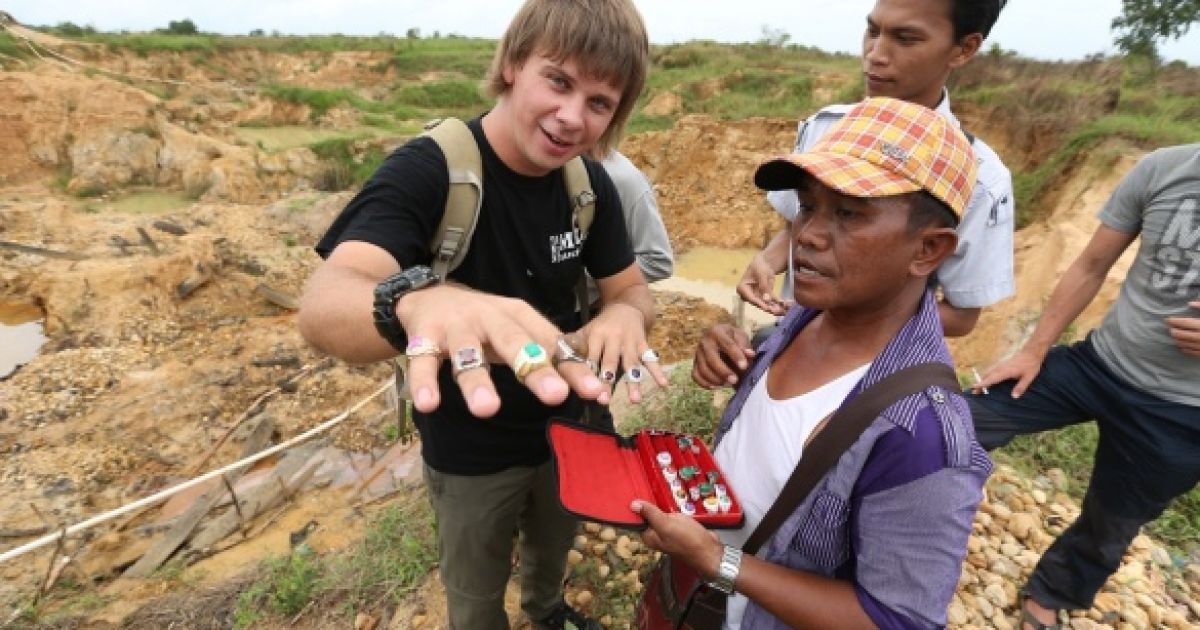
{"points": [[909, 49]]}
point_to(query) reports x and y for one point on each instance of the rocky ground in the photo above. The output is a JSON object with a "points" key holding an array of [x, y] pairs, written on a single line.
{"points": [[169, 328]]}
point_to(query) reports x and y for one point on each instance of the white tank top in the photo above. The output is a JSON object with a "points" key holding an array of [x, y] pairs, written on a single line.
{"points": [[762, 449]]}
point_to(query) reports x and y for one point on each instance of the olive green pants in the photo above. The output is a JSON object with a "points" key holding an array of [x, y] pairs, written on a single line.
{"points": [[476, 518]]}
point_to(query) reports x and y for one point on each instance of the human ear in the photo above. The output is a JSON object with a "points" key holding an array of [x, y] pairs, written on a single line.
{"points": [[936, 245], [966, 49], [510, 72]]}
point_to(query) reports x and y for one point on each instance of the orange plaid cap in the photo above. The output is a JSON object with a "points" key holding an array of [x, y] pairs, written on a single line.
{"points": [[884, 147]]}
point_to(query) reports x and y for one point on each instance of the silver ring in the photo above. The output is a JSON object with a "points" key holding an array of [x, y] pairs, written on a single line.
{"points": [[635, 374], [466, 359], [565, 352], [608, 376], [649, 356]]}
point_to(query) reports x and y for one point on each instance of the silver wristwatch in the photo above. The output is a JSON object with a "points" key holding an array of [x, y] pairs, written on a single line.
{"points": [[727, 571]]}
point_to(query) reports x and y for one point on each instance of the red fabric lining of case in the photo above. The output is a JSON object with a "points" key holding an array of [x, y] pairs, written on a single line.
{"points": [[600, 474]]}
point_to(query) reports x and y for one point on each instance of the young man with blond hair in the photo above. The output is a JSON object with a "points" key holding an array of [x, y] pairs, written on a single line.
{"points": [[565, 76]]}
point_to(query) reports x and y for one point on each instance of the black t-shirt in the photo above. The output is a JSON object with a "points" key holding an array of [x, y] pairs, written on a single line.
{"points": [[524, 246]]}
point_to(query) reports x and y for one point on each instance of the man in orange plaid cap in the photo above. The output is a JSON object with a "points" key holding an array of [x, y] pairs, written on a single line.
{"points": [[880, 539]]}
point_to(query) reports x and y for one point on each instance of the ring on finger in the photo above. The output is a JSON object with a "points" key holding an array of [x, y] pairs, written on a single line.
{"points": [[421, 347], [466, 359], [531, 357], [635, 374], [564, 350], [649, 356], [608, 376], [577, 342]]}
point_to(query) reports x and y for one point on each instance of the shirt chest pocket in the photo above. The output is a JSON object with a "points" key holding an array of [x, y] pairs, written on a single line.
{"points": [[824, 538]]}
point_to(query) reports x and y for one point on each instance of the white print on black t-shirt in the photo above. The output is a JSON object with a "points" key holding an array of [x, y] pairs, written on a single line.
{"points": [[1179, 252], [565, 246]]}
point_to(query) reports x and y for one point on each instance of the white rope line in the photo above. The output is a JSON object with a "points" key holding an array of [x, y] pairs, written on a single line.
{"points": [[176, 489]]}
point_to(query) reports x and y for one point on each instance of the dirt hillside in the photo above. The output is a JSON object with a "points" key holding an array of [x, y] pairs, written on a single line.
{"points": [[171, 326]]}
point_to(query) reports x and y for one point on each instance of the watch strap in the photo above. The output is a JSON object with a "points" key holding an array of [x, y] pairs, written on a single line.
{"points": [[388, 292], [727, 570]]}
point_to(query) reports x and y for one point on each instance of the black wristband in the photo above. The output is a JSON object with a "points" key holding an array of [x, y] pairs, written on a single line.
{"points": [[386, 294]]}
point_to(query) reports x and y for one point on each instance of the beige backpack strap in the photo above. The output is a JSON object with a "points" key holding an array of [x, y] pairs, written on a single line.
{"points": [[579, 191], [452, 239], [583, 204]]}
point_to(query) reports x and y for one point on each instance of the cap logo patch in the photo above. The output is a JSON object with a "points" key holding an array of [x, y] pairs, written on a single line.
{"points": [[894, 151]]}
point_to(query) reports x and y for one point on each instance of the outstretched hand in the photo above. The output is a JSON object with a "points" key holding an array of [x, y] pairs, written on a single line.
{"points": [[1186, 331], [457, 319], [722, 356]]}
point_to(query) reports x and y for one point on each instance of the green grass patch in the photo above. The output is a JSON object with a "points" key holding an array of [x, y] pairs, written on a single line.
{"points": [[285, 589], [1029, 186], [684, 407], [145, 43], [11, 47], [397, 552], [319, 101], [343, 167], [442, 95], [640, 123]]}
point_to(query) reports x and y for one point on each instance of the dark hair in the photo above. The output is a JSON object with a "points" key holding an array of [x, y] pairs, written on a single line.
{"points": [[929, 211], [974, 16]]}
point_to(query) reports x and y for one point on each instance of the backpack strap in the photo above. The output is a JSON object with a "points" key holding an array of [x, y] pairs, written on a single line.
{"points": [[465, 167], [583, 205], [452, 239]]}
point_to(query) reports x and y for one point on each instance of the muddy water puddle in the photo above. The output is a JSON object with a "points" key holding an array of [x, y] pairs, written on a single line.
{"points": [[21, 335], [712, 274], [149, 201]]}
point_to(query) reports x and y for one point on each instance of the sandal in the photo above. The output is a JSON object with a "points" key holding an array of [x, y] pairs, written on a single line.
{"points": [[1028, 618]]}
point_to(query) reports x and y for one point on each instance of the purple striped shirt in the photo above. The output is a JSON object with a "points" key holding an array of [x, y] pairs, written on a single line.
{"points": [[893, 515]]}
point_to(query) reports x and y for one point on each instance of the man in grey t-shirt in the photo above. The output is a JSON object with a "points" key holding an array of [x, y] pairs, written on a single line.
{"points": [[1137, 375]]}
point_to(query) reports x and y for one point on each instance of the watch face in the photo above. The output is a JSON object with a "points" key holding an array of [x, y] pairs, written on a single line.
{"points": [[418, 276]]}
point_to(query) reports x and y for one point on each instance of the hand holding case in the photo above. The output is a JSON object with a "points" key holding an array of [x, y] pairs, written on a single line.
{"points": [[601, 473]]}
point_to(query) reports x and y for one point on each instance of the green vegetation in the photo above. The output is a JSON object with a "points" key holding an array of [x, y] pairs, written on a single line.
{"points": [[1058, 113], [398, 551], [1143, 23], [286, 587], [343, 168], [683, 407], [10, 47], [414, 101], [411, 57], [735, 81], [1030, 185]]}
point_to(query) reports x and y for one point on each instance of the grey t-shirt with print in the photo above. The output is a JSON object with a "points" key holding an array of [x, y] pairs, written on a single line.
{"points": [[1160, 198]]}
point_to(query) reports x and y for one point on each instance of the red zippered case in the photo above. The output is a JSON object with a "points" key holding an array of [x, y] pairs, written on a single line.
{"points": [[601, 473]]}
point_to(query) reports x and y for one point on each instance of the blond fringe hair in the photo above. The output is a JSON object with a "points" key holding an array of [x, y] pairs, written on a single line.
{"points": [[606, 39]]}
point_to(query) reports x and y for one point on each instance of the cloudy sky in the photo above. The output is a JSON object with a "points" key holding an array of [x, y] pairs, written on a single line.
{"points": [[1044, 29]]}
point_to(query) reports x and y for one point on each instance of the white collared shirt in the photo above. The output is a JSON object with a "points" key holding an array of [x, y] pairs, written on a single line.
{"points": [[980, 272]]}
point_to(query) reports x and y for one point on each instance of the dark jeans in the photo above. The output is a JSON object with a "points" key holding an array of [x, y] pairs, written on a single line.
{"points": [[1148, 454]]}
